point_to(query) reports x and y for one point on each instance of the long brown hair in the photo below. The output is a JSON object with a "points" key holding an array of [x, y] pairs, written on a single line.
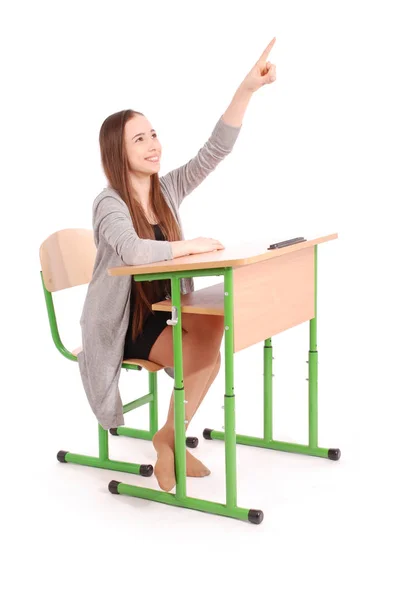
{"points": [[116, 168]]}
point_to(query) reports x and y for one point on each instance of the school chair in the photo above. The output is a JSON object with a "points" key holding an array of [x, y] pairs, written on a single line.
{"points": [[265, 291], [67, 259]]}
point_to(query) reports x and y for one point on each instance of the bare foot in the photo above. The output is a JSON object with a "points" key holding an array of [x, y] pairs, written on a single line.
{"points": [[164, 470], [195, 468]]}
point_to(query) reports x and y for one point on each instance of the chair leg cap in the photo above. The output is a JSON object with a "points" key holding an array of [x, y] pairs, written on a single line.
{"points": [[334, 454], [255, 516], [61, 455], [207, 434], [192, 442], [113, 431], [146, 470], [113, 485]]}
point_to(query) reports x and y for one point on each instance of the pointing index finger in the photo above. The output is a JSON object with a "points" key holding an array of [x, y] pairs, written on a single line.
{"points": [[266, 52]]}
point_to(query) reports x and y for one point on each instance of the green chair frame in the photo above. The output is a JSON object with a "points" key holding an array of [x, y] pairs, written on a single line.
{"points": [[103, 460]]}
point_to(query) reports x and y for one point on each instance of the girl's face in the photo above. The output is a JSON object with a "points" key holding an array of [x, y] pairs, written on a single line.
{"points": [[141, 143]]}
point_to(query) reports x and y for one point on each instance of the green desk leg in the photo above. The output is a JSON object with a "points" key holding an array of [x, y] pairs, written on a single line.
{"points": [[267, 441], [180, 498]]}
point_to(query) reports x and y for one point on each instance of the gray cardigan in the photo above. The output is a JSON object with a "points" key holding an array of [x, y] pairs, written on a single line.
{"points": [[105, 314]]}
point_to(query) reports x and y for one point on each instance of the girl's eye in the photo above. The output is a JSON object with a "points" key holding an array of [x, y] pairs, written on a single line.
{"points": [[141, 138]]}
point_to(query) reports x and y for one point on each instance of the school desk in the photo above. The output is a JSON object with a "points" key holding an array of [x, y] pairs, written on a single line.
{"points": [[264, 293]]}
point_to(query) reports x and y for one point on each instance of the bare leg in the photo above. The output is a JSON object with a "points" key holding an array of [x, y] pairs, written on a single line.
{"points": [[195, 406], [164, 467], [194, 466], [201, 340]]}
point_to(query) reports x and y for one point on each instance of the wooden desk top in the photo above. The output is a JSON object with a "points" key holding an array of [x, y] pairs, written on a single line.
{"points": [[235, 255]]}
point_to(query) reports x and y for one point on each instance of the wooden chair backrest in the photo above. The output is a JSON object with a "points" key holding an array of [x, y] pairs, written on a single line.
{"points": [[67, 258]]}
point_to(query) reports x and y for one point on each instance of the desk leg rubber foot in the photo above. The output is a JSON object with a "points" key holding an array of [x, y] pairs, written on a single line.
{"points": [[146, 470], [255, 516], [192, 442], [113, 431], [207, 434], [61, 455], [334, 454], [113, 486]]}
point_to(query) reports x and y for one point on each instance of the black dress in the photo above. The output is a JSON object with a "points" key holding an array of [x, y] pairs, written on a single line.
{"points": [[152, 327]]}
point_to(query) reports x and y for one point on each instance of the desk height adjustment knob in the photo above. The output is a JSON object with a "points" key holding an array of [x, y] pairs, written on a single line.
{"points": [[174, 316]]}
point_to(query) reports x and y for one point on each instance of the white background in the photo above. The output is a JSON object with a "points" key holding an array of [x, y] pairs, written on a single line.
{"points": [[318, 153]]}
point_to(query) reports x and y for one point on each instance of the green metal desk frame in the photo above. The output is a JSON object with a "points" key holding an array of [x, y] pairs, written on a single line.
{"points": [[229, 436]]}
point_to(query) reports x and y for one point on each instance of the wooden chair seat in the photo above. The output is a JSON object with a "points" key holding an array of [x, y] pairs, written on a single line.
{"points": [[146, 364]]}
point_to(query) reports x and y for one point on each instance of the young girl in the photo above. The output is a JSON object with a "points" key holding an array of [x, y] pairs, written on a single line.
{"points": [[136, 221]]}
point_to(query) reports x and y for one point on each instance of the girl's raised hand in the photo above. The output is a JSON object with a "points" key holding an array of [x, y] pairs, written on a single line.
{"points": [[262, 72]]}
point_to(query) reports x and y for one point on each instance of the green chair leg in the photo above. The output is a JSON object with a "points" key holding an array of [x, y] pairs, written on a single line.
{"points": [[103, 461], [191, 442], [152, 399]]}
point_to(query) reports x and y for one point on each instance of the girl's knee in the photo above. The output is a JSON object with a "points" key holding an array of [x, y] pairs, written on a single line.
{"points": [[211, 325], [201, 341], [199, 352], [212, 328]]}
